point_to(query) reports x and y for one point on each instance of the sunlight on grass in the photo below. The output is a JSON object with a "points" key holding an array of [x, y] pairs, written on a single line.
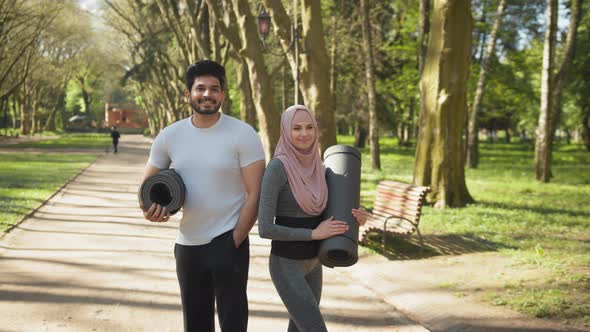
{"points": [[68, 141], [542, 225], [28, 179]]}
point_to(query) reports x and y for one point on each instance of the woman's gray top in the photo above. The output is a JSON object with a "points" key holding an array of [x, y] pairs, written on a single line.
{"points": [[276, 199]]}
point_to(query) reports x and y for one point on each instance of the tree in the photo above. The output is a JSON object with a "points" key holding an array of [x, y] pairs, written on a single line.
{"points": [[244, 39], [544, 144], [156, 65], [439, 153], [473, 128], [551, 86], [564, 69], [423, 34], [579, 85], [370, 84], [313, 63]]}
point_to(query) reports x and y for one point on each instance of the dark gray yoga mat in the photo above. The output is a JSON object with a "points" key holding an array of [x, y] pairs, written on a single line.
{"points": [[343, 175], [165, 188]]}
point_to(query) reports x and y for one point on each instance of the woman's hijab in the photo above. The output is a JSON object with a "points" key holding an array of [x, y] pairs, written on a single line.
{"points": [[305, 169]]}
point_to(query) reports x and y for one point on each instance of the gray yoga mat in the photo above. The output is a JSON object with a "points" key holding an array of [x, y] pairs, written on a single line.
{"points": [[165, 188], [343, 175]]}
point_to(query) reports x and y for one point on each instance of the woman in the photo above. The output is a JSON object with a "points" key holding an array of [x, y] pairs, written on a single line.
{"points": [[293, 196]]}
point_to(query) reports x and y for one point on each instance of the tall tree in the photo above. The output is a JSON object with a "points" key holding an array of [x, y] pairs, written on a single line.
{"points": [[247, 108], [423, 34], [155, 64], [423, 31], [244, 37], [370, 85], [313, 63], [439, 153], [564, 69], [473, 128], [544, 144]]}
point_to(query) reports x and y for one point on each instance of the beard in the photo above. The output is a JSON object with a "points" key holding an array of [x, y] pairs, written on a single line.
{"points": [[196, 108]]}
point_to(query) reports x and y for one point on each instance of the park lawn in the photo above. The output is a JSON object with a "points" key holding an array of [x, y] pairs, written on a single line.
{"points": [[27, 179], [68, 141], [545, 227]]}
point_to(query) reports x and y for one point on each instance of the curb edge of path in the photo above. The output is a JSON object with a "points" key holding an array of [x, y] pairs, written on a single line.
{"points": [[409, 314]]}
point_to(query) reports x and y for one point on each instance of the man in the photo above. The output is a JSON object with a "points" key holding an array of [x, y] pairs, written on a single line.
{"points": [[221, 162], [115, 137]]}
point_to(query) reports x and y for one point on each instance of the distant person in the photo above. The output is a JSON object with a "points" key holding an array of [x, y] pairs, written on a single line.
{"points": [[115, 136]]}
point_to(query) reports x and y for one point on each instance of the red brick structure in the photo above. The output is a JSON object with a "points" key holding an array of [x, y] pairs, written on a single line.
{"points": [[124, 116]]}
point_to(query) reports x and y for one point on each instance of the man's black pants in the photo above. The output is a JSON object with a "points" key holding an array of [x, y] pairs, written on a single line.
{"points": [[216, 271]]}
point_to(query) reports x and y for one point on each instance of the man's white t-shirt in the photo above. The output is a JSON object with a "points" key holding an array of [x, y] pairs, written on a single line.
{"points": [[209, 162]]}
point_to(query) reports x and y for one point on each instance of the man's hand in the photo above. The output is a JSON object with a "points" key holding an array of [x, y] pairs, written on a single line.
{"points": [[238, 237], [251, 178], [156, 213]]}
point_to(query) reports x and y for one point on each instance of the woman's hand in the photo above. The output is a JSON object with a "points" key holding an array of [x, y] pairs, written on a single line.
{"points": [[361, 215], [329, 228]]}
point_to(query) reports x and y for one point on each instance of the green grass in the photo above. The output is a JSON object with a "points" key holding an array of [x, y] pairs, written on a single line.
{"points": [[68, 141], [546, 226], [28, 179], [543, 226]]}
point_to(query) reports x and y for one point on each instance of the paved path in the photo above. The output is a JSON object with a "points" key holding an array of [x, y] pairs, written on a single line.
{"points": [[88, 261]]}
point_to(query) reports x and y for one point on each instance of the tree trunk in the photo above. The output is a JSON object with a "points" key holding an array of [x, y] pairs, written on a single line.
{"points": [[483, 36], [586, 130], [244, 37], [14, 111], [439, 153], [333, 51], [25, 113], [315, 73], [171, 18], [563, 71], [247, 109], [4, 106], [314, 64], [544, 144], [51, 123], [86, 97], [284, 90], [360, 135], [411, 121], [473, 128], [370, 84], [423, 34], [34, 114]]}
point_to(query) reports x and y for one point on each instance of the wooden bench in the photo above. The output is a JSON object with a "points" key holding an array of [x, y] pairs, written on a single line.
{"points": [[396, 211]]}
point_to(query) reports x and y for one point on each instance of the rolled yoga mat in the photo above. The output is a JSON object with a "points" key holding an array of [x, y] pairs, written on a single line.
{"points": [[343, 175], [165, 188]]}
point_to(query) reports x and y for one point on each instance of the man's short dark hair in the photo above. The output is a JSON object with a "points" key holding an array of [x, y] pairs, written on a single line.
{"points": [[204, 68]]}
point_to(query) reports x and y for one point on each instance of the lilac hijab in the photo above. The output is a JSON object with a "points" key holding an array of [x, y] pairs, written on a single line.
{"points": [[305, 169]]}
